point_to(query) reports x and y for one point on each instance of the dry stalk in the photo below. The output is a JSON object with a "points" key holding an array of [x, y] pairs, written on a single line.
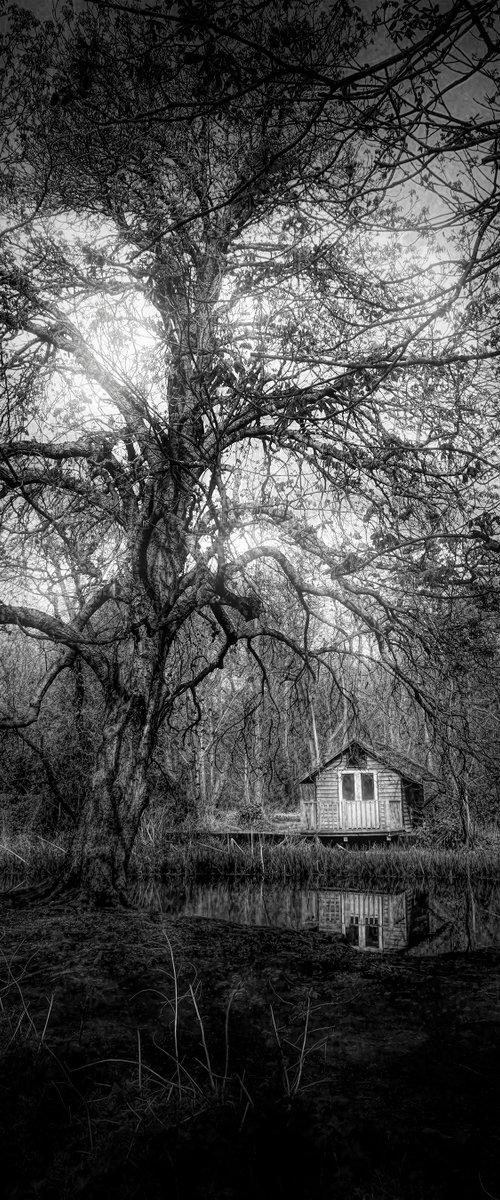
{"points": [[175, 1010], [211, 1076], [293, 1082]]}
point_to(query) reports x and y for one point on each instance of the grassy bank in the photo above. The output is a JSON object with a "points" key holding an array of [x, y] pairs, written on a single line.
{"points": [[298, 862], [434, 852], [192, 856], [29, 858]]}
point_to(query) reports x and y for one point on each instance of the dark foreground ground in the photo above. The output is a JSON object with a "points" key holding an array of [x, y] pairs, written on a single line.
{"points": [[145, 1056]]}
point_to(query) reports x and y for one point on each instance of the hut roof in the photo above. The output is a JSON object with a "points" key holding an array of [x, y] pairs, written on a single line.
{"points": [[389, 756]]}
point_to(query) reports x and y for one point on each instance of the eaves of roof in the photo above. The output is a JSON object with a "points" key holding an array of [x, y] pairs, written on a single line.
{"points": [[388, 756]]}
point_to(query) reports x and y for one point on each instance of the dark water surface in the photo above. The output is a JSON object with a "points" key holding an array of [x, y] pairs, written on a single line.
{"points": [[430, 921]]}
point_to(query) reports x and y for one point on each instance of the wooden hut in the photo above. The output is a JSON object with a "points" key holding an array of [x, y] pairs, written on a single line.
{"points": [[361, 791]]}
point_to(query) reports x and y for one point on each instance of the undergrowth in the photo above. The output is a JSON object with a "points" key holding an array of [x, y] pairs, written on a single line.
{"points": [[296, 861], [186, 856], [30, 858], [78, 1124]]}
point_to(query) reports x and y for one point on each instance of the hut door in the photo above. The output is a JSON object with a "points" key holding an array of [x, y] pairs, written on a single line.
{"points": [[362, 919], [359, 800]]}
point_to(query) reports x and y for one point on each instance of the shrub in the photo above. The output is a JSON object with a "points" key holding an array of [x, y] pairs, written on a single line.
{"points": [[252, 815], [440, 831]]}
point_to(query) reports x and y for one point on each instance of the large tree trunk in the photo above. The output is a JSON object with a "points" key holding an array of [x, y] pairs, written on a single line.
{"points": [[105, 837]]}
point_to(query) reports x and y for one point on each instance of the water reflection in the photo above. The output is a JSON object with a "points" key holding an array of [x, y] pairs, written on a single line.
{"points": [[368, 920], [436, 921]]}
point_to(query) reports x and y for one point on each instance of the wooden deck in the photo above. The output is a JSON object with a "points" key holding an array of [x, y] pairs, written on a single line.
{"points": [[353, 838]]}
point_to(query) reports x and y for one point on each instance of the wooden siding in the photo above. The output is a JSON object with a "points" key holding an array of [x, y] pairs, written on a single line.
{"points": [[407, 817], [330, 910], [327, 797], [308, 808], [396, 921], [388, 793], [390, 799], [356, 813]]}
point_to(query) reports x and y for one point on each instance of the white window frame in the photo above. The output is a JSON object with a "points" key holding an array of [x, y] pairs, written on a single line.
{"points": [[358, 772]]}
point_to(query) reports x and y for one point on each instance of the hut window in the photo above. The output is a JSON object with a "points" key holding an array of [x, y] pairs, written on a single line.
{"points": [[358, 785], [367, 785], [348, 786]]}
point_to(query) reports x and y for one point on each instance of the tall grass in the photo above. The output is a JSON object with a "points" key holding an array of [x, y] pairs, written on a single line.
{"points": [[29, 858], [188, 856], [296, 861]]}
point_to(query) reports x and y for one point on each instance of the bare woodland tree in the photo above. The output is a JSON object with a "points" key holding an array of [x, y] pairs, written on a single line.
{"points": [[237, 349]]}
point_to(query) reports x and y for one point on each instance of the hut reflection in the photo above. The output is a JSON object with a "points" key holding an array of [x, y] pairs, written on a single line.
{"points": [[375, 920], [368, 920]]}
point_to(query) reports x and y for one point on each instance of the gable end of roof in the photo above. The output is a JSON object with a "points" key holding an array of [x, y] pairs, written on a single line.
{"points": [[388, 756]]}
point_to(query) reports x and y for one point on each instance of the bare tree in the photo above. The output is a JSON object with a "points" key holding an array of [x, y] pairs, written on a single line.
{"points": [[215, 373]]}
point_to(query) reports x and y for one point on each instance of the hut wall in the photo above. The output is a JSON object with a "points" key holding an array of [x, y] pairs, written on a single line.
{"points": [[308, 808], [413, 803], [396, 914], [407, 817], [330, 910], [327, 796], [389, 798], [396, 797], [389, 795]]}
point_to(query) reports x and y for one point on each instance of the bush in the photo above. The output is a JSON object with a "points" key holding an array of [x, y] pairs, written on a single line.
{"points": [[252, 815], [443, 832]]}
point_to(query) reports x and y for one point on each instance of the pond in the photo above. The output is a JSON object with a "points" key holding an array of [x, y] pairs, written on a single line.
{"points": [[438, 920]]}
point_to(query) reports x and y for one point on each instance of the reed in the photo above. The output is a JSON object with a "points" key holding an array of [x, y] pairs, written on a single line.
{"points": [[188, 855], [29, 858], [298, 862], [189, 1073], [293, 1055], [18, 1026]]}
